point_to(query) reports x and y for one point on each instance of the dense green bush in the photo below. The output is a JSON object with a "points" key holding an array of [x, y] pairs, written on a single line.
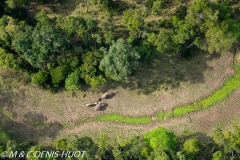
{"points": [[217, 155], [58, 75], [149, 3], [145, 51], [158, 6], [89, 69], [192, 146], [72, 82], [120, 61], [4, 137], [160, 137], [41, 77], [61, 144], [7, 59], [33, 151], [131, 41]]}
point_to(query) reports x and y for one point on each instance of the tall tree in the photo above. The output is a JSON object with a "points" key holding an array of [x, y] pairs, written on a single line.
{"points": [[120, 61], [89, 69], [40, 45], [160, 137]]}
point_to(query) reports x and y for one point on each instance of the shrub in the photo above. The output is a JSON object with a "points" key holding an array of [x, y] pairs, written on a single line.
{"points": [[96, 81], [217, 155], [40, 78], [131, 41], [58, 75], [3, 138], [192, 146], [120, 61], [72, 82], [150, 3], [33, 152], [157, 7], [61, 144], [160, 137], [145, 51], [7, 59]]}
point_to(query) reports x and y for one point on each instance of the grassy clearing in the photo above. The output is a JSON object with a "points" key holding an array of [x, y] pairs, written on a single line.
{"points": [[230, 85]]}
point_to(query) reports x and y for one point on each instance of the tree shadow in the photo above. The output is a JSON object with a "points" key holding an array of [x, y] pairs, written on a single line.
{"points": [[167, 71], [24, 126], [110, 96], [32, 128], [103, 107]]}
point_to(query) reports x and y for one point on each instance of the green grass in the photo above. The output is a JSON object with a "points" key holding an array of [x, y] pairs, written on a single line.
{"points": [[122, 119], [229, 86], [183, 110], [160, 115]]}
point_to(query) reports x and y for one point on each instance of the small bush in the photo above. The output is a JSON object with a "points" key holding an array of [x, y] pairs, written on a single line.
{"points": [[3, 137], [97, 81], [7, 59], [150, 3], [192, 146], [58, 75], [72, 82], [40, 78], [131, 40], [157, 7], [145, 51]]}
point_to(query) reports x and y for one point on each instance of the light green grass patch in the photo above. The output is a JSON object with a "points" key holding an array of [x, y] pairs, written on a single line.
{"points": [[160, 115], [119, 118], [229, 86], [183, 110]]}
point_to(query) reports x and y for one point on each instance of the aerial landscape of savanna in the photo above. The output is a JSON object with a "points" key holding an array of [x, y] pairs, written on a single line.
{"points": [[120, 79]]}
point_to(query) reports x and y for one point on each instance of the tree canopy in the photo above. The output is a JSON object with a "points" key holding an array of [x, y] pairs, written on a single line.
{"points": [[119, 61], [160, 137]]}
